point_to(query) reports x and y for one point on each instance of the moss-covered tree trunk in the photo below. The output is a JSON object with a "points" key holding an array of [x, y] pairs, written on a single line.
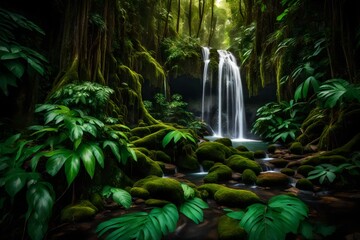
{"points": [[89, 33]]}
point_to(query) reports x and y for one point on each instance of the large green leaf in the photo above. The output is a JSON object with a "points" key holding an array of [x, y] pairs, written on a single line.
{"points": [[121, 197], [86, 154], [114, 148], [56, 160], [15, 179], [188, 191], [193, 209], [141, 225], [72, 167], [98, 153]]}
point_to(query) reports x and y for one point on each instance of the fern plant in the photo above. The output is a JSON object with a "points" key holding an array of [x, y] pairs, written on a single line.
{"points": [[176, 136], [157, 223]]}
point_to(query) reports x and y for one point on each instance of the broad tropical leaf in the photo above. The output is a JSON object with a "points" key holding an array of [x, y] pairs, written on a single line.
{"points": [[188, 191], [193, 209]]}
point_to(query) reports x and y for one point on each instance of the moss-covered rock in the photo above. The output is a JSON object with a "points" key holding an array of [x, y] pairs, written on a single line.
{"points": [[81, 211], [210, 188], [140, 131], [207, 164], [247, 154], [288, 171], [158, 155], [242, 148], [304, 170], [259, 154], [97, 201], [235, 197], [212, 151], [248, 176], [156, 202], [218, 172], [187, 162], [139, 192], [272, 179], [296, 148], [239, 164], [144, 166], [162, 188], [271, 148], [304, 184], [226, 141], [229, 229], [279, 162]]}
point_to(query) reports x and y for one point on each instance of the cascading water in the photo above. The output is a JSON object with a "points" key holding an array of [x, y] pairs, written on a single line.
{"points": [[227, 101]]}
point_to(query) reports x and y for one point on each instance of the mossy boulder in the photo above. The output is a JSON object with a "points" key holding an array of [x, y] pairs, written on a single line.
{"points": [[235, 197], [82, 211], [162, 188], [272, 179], [139, 192], [229, 229], [187, 162], [156, 202], [259, 154], [271, 148], [97, 201], [158, 155], [304, 170], [144, 166], [218, 172], [288, 171], [226, 141], [248, 176], [210, 188], [296, 148], [140, 131], [304, 184], [247, 154], [239, 163], [279, 162], [212, 151], [207, 164], [242, 148]]}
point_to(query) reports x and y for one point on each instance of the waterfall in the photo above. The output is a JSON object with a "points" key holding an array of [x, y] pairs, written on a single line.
{"points": [[223, 109]]}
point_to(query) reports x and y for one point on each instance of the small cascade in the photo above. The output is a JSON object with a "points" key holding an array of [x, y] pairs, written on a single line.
{"points": [[227, 100]]}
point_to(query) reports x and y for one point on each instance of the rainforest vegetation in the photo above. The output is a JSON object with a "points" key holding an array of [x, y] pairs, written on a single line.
{"points": [[78, 139]]}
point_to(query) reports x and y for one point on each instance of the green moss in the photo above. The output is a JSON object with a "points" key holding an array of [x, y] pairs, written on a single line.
{"points": [[270, 179], [304, 170], [160, 156], [332, 159], [235, 198], [248, 176], [156, 202], [259, 154], [248, 154], [140, 131], [139, 192], [279, 162], [288, 171], [133, 138], [218, 172], [82, 211], [212, 151], [187, 162], [207, 164], [143, 167], [242, 148], [152, 141], [304, 184], [239, 164], [271, 148], [144, 151], [97, 201], [226, 141], [162, 188], [229, 229], [296, 148], [210, 188]]}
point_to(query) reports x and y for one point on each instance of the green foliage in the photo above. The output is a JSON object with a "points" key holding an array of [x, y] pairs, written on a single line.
{"points": [[119, 195], [335, 92], [176, 136], [90, 97], [328, 173], [283, 214], [174, 111], [311, 81], [16, 58], [141, 225], [279, 121]]}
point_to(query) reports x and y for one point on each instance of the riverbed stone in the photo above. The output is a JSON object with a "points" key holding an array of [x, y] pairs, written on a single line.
{"points": [[82, 211], [235, 198], [212, 151], [229, 229], [239, 163], [218, 172], [271, 179]]}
